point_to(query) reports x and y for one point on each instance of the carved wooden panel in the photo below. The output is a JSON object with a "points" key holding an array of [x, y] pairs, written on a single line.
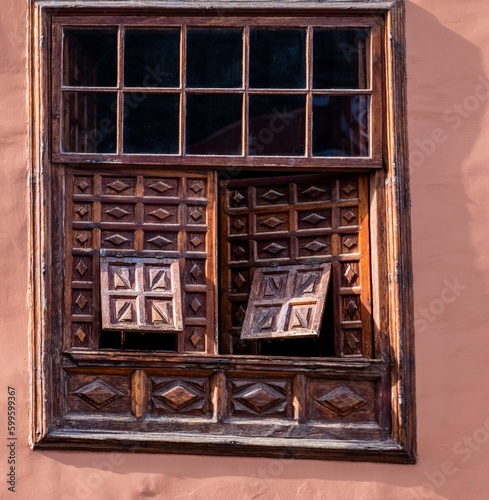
{"points": [[151, 218], [180, 396], [341, 400], [286, 301], [88, 393], [260, 398], [140, 294], [290, 221]]}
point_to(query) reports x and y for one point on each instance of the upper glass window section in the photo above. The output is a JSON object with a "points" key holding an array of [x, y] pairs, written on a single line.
{"points": [[237, 91]]}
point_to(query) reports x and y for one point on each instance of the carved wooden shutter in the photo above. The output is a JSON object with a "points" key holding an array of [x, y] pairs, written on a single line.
{"points": [[141, 223], [297, 221], [286, 301], [141, 294]]}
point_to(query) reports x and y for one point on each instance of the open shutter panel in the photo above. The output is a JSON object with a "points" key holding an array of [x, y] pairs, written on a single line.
{"points": [[141, 294], [286, 301]]}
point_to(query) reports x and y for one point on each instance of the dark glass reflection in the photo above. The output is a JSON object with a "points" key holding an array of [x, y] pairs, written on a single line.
{"points": [[339, 59], [89, 122], [277, 125], [340, 125], [278, 58], [151, 123], [90, 57], [152, 58], [214, 58], [214, 124]]}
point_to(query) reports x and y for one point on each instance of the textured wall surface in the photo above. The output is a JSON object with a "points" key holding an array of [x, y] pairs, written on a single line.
{"points": [[448, 72]]}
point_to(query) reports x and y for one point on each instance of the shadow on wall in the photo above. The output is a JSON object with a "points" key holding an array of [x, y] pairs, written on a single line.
{"points": [[445, 109]]}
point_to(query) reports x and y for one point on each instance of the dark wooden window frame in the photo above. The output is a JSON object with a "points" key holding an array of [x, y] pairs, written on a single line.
{"points": [[391, 439]]}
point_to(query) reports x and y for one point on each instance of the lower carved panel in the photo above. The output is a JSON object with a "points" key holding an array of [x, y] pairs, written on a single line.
{"points": [[98, 393], [260, 398], [180, 396], [342, 400]]}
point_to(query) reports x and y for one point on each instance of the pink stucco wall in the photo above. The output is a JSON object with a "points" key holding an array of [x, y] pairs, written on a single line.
{"points": [[448, 70]]}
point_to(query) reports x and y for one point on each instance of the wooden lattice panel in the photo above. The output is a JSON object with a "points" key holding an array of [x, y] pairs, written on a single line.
{"points": [[291, 221], [141, 216]]}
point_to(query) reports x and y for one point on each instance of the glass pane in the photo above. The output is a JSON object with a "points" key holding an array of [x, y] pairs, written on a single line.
{"points": [[152, 58], [277, 125], [90, 57], [339, 59], [278, 58], [89, 122], [214, 58], [214, 124], [151, 123], [340, 125]]}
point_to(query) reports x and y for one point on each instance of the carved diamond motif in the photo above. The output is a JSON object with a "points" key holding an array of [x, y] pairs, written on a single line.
{"points": [[160, 186], [239, 281], [195, 305], [260, 398], [82, 268], [350, 274], [272, 195], [158, 279], [82, 238], [313, 192], [349, 188], [349, 216], [240, 314], [196, 272], [266, 321], [196, 241], [81, 301], [352, 341], [314, 219], [342, 401], [117, 239], [196, 187], [195, 338], [178, 396], [82, 211], [301, 318], [274, 248], [351, 308], [118, 186], [350, 243], [123, 311], [81, 335], [160, 213], [82, 185], [315, 246], [159, 241], [272, 222], [239, 224], [161, 313], [239, 251], [117, 212], [238, 197], [98, 394], [196, 214]]}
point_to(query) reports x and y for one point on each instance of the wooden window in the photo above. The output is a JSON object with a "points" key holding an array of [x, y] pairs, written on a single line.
{"points": [[220, 229]]}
